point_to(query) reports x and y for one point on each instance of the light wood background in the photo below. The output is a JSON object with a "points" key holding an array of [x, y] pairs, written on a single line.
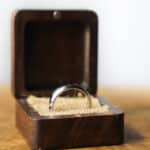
{"points": [[134, 101]]}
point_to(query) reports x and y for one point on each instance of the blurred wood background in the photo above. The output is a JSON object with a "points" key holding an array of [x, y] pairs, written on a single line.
{"points": [[134, 101]]}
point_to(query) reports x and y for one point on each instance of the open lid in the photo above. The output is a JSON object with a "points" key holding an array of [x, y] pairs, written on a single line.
{"points": [[54, 48]]}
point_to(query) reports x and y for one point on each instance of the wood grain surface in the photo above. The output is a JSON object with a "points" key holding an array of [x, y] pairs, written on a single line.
{"points": [[134, 101]]}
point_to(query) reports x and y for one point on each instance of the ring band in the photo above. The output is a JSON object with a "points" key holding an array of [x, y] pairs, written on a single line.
{"points": [[65, 88]]}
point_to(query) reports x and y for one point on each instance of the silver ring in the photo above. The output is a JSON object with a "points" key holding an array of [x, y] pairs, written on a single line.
{"points": [[65, 88]]}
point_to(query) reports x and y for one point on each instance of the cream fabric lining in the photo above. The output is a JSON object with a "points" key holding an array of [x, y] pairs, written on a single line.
{"points": [[66, 106]]}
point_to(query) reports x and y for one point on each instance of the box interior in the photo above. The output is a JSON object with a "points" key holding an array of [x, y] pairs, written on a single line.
{"points": [[54, 54]]}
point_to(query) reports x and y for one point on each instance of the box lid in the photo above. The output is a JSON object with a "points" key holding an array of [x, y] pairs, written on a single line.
{"points": [[53, 48]]}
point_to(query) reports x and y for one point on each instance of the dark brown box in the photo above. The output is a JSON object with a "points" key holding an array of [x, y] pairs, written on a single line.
{"points": [[53, 48]]}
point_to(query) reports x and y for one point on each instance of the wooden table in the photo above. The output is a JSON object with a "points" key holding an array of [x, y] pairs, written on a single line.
{"points": [[134, 101]]}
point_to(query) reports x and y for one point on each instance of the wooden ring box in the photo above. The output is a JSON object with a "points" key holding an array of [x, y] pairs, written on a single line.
{"points": [[53, 48]]}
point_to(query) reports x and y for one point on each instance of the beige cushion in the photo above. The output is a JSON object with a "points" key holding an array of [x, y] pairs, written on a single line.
{"points": [[66, 106]]}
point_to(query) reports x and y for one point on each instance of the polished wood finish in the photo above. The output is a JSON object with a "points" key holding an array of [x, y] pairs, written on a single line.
{"points": [[70, 131], [135, 102], [54, 48]]}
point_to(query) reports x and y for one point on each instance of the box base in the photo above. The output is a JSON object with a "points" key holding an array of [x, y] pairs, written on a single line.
{"points": [[100, 129]]}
